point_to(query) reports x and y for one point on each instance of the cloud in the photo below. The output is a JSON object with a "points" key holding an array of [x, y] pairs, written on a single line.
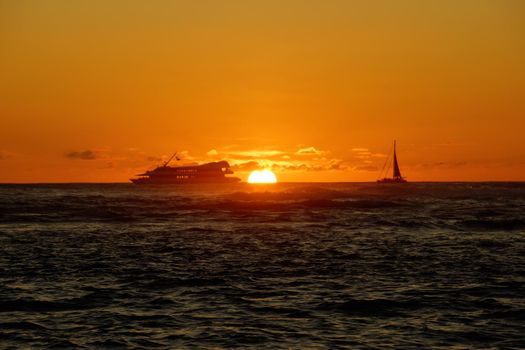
{"points": [[184, 155], [365, 153], [361, 153], [309, 151], [378, 155], [212, 153], [337, 164], [289, 167], [82, 155], [281, 166], [253, 154], [259, 153], [5, 155], [316, 165], [246, 166], [302, 159]]}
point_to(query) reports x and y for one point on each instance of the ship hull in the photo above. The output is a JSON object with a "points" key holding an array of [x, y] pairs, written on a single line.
{"points": [[171, 181]]}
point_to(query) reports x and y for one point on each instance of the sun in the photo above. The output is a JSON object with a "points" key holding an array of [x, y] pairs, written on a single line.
{"points": [[262, 177]]}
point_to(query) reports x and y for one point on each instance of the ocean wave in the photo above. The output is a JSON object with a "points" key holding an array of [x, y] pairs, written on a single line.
{"points": [[372, 307], [90, 300], [495, 224], [286, 266], [22, 325]]}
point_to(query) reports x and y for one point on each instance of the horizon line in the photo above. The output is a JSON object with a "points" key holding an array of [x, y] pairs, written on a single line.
{"points": [[244, 182]]}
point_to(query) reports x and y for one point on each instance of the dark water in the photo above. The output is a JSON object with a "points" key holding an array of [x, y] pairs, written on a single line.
{"points": [[286, 266]]}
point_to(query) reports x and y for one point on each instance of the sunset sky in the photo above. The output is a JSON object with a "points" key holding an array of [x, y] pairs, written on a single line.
{"points": [[316, 90]]}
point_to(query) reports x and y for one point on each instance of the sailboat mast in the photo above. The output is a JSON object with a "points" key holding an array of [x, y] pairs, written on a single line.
{"points": [[394, 161]]}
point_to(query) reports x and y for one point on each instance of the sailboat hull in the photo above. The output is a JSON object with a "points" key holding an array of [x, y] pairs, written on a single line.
{"points": [[394, 181]]}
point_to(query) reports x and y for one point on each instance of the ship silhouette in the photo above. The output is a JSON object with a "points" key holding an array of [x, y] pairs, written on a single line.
{"points": [[214, 172], [396, 173]]}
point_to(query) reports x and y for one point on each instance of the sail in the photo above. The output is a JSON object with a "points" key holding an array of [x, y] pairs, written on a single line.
{"points": [[397, 172]]}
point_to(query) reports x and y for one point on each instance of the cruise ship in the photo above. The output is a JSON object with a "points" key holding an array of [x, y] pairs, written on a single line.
{"points": [[214, 172]]}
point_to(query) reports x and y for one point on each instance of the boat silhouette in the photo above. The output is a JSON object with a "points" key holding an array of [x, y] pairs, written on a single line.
{"points": [[396, 173], [214, 172]]}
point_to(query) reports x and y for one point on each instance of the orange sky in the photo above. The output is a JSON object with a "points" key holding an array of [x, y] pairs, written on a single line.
{"points": [[102, 90]]}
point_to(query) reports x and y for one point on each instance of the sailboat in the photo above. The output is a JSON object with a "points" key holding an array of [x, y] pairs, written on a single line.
{"points": [[396, 176]]}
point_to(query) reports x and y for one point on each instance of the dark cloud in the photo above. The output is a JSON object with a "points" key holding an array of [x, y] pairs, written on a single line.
{"points": [[5, 155], [247, 166], [337, 165], [291, 167], [333, 164], [82, 155]]}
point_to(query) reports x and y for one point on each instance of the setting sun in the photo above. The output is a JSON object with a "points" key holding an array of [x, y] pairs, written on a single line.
{"points": [[262, 176]]}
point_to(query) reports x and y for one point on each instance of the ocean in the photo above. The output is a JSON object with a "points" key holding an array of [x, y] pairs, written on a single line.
{"points": [[302, 266]]}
